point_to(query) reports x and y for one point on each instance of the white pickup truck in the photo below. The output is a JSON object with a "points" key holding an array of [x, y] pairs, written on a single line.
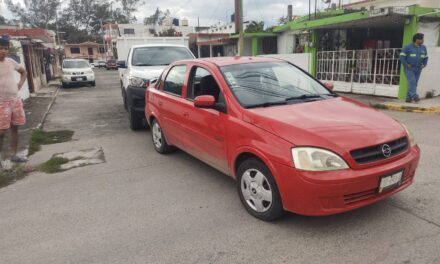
{"points": [[145, 62]]}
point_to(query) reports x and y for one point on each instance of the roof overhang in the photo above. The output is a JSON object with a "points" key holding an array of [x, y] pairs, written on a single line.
{"points": [[255, 35], [390, 17], [216, 42]]}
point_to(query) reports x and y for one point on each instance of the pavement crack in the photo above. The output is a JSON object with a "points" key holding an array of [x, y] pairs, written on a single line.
{"points": [[408, 211]]}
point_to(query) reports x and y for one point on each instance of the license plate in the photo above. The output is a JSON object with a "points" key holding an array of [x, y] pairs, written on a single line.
{"points": [[390, 181]]}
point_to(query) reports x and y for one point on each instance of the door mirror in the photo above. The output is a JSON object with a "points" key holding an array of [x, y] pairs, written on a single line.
{"points": [[204, 101], [152, 81], [329, 85], [92, 66], [121, 64]]}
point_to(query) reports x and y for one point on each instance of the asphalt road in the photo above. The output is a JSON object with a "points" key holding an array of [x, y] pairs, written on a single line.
{"points": [[142, 207]]}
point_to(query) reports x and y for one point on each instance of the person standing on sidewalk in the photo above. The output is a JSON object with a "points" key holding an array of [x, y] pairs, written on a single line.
{"points": [[11, 106], [414, 58]]}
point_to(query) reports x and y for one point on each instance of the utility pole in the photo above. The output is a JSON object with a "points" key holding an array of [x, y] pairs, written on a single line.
{"points": [[310, 11], [315, 8], [239, 25]]}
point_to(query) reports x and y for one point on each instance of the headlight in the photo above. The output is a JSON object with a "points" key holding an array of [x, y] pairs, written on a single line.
{"points": [[138, 82], [89, 71], [316, 159], [66, 72], [410, 135]]}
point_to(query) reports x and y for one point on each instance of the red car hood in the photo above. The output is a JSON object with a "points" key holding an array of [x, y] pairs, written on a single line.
{"points": [[340, 124]]}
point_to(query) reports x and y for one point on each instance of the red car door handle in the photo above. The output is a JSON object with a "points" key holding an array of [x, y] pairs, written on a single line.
{"points": [[185, 114], [160, 103]]}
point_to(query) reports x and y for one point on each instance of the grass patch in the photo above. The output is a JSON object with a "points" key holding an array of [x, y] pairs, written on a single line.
{"points": [[53, 165], [430, 94], [40, 137], [378, 106], [16, 173]]}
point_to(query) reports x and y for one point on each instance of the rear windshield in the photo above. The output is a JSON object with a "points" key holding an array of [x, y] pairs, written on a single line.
{"points": [[156, 56], [75, 64]]}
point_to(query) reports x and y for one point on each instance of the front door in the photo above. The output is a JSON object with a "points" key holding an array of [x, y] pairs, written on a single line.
{"points": [[205, 129], [170, 105]]}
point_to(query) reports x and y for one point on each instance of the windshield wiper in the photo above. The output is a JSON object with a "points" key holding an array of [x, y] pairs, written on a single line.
{"points": [[143, 64], [267, 104], [304, 97]]}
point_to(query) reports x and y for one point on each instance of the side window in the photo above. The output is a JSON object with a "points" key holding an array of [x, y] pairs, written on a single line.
{"points": [[174, 80], [203, 83], [197, 74]]}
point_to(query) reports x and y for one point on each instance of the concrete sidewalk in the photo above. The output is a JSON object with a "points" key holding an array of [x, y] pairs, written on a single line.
{"points": [[36, 108], [431, 105]]}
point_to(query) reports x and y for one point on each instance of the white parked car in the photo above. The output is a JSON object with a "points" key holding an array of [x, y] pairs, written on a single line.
{"points": [[144, 63], [77, 71]]}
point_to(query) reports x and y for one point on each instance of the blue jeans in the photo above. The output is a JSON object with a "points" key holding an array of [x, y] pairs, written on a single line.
{"points": [[413, 76]]}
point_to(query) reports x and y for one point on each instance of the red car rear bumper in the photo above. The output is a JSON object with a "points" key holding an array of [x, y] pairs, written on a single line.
{"points": [[322, 193]]}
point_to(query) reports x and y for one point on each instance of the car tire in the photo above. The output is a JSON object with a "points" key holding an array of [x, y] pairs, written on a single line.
{"points": [[64, 85], [124, 98], [258, 191], [135, 119], [93, 83], [160, 143]]}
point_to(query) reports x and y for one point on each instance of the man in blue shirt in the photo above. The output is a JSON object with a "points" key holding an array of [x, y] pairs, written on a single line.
{"points": [[414, 58]]}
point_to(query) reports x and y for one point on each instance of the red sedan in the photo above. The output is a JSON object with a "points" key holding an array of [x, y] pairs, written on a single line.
{"points": [[290, 142]]}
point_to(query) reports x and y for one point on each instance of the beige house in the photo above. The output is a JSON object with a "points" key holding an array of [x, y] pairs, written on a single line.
{"points": [[90, 51]]}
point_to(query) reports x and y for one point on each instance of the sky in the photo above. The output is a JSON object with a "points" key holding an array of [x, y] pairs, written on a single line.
{"points": [[214, 11]]}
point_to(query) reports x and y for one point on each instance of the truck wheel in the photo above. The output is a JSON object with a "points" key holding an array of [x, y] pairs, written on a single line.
{"points": [[93, 83], [135, 120]]}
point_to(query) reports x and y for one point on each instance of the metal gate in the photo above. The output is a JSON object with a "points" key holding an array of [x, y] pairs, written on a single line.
{"points": [[372, 71]]}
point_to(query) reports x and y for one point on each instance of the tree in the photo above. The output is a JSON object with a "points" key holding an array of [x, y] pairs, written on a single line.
{"points": [[157, 18], [129, 7], [80, 13], [154, 18], [2, 20], [35, 13], [171, 32], [283, 20], [255, 26], [82, 20]]}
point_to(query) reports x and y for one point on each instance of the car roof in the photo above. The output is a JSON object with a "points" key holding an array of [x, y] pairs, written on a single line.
{"points": [[223, 61], [158, 45]]}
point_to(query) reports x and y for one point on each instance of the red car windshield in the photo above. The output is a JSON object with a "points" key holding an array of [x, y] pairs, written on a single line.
{"points": [[271, 83]]}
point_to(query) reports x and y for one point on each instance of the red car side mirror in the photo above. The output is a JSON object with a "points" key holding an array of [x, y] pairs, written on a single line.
{"points": [[329, 86], [204, 101]]}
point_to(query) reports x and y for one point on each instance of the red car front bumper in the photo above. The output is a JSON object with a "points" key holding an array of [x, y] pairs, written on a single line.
{"points": [[326, 193]]}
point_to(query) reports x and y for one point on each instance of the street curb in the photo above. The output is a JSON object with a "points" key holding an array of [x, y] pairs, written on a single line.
{"points": [[40, 125], [404, 108]]}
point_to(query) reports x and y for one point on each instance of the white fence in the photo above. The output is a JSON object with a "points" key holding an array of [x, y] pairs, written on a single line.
{"points": [[373, 71]]}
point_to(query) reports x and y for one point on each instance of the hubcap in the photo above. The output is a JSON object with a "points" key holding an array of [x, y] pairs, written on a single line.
{"points": [[157, 135], [256, 190]]}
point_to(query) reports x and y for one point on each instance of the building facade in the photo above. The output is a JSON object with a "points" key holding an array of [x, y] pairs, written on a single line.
{"points": [[90, 51], [358, 49], [37, 50]]}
